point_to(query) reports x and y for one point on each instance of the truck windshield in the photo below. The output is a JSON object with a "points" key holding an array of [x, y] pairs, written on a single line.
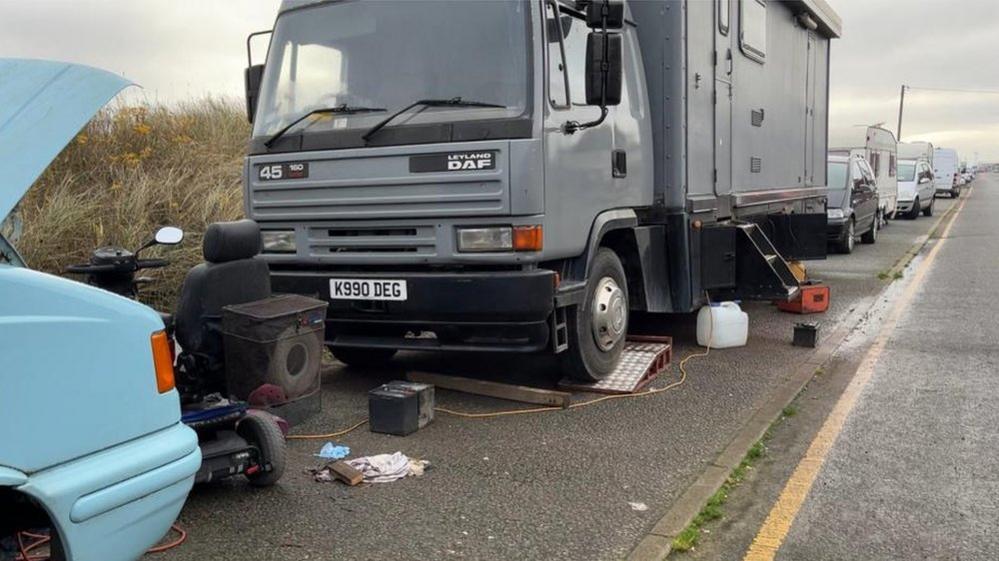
{"points": [[388, 53], [906, 171]]}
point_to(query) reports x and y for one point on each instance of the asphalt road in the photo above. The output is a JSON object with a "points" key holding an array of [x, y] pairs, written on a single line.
{"points": [[916, 461], [545, 486], [911, 475]]}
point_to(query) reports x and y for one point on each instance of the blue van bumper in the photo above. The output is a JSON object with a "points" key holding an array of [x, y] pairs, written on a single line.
{"points": [[115, 504]]}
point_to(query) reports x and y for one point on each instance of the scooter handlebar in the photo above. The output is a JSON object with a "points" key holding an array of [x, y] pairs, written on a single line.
{"points": [[151, 263], [92, 269], [87, 269]]}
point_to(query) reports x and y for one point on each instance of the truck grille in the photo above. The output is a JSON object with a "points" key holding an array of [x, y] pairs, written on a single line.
{"points": [[384, 241], [380, 183]]}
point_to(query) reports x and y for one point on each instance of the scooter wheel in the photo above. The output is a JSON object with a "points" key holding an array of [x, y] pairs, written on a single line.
{"points": [[261, 430]]}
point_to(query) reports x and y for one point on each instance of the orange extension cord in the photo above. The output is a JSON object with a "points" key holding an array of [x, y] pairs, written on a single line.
{"points": [[40, 540], [491, 414]]}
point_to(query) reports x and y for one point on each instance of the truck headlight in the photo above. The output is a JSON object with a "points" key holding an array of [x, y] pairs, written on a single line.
{"points": [[501, 238], [835, 213], [278, 241], [473, 240]]}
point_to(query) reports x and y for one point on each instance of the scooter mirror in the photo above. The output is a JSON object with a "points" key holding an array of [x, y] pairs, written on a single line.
{"points": [[169, 235]]}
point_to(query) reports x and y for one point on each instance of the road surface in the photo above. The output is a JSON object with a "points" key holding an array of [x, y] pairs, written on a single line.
{"points": [[545, 486]]}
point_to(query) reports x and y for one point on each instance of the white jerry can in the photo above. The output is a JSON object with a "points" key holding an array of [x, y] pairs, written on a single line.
{"points": [[724, 323]]}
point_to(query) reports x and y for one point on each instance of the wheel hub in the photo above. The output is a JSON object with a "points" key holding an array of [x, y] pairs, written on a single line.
{"points": [[609, 314]]}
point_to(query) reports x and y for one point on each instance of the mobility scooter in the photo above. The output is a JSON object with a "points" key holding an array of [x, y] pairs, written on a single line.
{"points": [[234, 438]]}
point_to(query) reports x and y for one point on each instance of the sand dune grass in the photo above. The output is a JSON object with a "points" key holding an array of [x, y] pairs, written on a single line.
{"points": [[130, 171]]}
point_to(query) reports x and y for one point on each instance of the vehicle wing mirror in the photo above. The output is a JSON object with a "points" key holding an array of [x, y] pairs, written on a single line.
{"points": [[169, 235], [253, 77], [604, 69], [605, 14]]}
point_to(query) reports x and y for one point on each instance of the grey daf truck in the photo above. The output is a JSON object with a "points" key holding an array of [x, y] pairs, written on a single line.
{"points": [[520, 176]]}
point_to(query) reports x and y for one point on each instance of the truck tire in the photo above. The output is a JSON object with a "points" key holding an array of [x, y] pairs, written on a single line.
{"points": [[362, 358], [262, 430], [597, 328]]}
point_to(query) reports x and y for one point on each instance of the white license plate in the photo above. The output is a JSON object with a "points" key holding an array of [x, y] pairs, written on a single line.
{"points": [[368, 289]]}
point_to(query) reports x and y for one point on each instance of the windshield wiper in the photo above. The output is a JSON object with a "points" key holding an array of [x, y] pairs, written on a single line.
{"points": [[453, 102], [338, 110]]}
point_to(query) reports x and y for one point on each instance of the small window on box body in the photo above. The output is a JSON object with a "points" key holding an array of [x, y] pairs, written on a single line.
{"points": [[753, 29]]}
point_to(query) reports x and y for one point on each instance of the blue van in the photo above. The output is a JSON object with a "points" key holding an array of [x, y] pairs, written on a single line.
{"points": [[91, 443]]}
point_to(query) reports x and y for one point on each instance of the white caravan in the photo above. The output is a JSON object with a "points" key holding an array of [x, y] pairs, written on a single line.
{"points": [[946, 172], [879, 147], [916, 151]]}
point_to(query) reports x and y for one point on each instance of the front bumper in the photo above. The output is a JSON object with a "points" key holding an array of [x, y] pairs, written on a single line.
{"points": [[904, 206], [836, 229], [114, 504], [464, 311]]}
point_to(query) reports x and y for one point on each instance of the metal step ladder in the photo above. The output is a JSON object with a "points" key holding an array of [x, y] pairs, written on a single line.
{"points": [[762, 274]]}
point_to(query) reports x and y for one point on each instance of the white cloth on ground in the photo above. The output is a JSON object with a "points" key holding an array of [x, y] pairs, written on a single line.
{"points": [[383, 468]]}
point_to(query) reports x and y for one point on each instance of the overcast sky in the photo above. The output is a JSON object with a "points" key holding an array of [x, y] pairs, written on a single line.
{"points": [[178, 49]]}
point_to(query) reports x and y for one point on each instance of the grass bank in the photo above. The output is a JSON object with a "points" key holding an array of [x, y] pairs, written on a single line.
{"points": [[131, 170]]}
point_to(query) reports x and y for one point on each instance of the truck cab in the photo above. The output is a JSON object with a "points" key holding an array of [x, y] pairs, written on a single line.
{"points": [[505, 176]]}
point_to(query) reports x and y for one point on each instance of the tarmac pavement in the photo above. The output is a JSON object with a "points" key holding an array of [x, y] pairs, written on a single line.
{"points": [[914, 473], [543, 486], [911, 472]]}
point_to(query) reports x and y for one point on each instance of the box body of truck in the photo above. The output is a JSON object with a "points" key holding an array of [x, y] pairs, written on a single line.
{"points": [[477, 228]]}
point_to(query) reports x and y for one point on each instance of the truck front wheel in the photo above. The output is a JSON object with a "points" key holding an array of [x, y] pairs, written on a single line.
{"points": [[597, 328]]}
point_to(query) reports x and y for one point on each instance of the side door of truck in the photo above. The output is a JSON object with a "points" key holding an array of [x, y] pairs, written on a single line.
{"points": [[811, 70], [723, 33], [579, 178]]}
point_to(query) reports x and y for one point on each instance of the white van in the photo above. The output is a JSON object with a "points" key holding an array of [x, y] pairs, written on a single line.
{"points": [[879, 147], [946, 172], [916, 192]]}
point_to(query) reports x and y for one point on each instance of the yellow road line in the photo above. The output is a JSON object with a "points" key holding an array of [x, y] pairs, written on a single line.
{"points": [[778, 523]]}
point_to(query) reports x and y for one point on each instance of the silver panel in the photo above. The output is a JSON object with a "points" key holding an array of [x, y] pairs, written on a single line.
{"points": [[377, 183]]}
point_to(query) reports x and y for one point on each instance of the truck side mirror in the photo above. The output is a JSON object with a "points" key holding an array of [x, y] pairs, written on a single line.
{"points": [[604, 69], [605, 14], [253, 76]]}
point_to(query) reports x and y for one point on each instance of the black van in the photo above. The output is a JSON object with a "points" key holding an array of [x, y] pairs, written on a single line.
{"points": [[852, 209]]}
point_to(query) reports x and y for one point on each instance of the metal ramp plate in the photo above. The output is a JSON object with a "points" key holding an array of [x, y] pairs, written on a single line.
{"points": [[643, 358]]}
